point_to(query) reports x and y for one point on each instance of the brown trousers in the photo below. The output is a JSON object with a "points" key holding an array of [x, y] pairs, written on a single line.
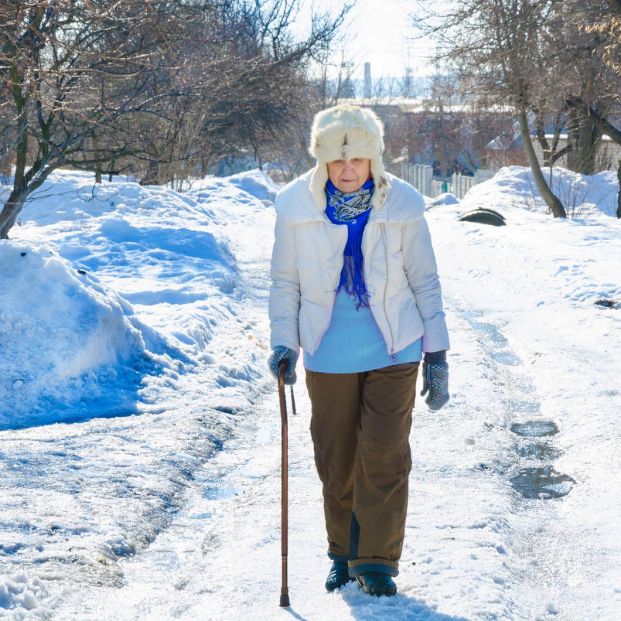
{"points": [[360, 426]]}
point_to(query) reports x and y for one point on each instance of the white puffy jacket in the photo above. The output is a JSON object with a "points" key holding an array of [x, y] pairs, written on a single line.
{"points": [[399, 270]]}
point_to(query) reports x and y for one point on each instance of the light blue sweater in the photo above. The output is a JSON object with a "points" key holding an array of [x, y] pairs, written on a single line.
{"points": [[353, 342]]}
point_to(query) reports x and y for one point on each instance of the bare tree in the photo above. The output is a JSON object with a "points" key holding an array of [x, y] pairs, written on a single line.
{"points": [[156, 88], [497, 48], [260, 91], [69, 70], [597, 23]]}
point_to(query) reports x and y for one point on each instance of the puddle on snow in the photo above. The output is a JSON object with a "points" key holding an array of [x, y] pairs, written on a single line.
{"points": [[213, 492], [506, 357], [542, 483], [538, 451], [535, 428], [490, 330], [500, 352]]}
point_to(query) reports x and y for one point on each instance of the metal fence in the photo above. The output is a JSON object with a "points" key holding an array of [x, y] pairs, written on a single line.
{"points": [[421, 177]]}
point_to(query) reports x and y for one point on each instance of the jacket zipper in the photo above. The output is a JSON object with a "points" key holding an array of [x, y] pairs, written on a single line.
{"points": [[336, 284], [392, 337]]}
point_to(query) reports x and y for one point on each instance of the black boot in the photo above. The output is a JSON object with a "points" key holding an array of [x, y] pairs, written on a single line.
{"points": [[375, 583], [338, 576]]}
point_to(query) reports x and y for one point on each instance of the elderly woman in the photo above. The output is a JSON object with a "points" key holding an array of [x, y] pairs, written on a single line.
{"points": [[355, 285]]}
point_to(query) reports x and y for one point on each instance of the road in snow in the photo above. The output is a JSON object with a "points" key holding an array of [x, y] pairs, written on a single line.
{"points": [[515, 485]]}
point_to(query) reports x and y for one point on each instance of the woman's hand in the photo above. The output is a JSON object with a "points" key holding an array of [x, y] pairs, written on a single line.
{"points": [[435, 379], [283, 353]]}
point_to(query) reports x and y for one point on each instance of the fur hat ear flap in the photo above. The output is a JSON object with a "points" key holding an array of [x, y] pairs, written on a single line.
{"points": [[347, 132], [319, 178], [380, 182]]}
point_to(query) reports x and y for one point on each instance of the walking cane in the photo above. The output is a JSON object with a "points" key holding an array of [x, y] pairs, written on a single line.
{"points": [[284, 523]]}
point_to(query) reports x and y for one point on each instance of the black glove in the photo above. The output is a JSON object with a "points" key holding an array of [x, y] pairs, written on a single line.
{"points": [[435, 379], [283, 353]]}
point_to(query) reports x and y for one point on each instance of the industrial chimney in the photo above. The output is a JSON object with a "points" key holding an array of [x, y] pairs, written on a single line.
{"points": [[367, 81]]}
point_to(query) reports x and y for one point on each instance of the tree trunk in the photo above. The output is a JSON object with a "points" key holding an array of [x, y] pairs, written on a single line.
{"points": [[10, 211], [5, 168], [552, 201], [17, 198], [152, 174], [585, 137], [97, 156], [15, 202], [541, 138]]}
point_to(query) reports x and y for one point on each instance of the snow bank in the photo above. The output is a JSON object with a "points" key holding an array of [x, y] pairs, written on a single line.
{"points": [[62, 333], [514, 187], [255, 183], [157, 248], [447, 198], [128, 300], [166, 279]]}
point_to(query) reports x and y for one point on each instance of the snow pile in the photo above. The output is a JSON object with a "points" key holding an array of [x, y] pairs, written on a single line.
{"points": [[514, 187], [127, 300], [63, 335], [255, 183], [447, 198], [20, 592], [154, 246], [166, 279]]}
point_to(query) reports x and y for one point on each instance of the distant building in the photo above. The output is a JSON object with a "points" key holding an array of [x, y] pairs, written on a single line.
{"points": [[451, 140], [508, 150], [607, 158], [408, 83]]}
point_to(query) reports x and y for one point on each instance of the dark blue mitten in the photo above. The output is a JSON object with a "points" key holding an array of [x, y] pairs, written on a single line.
{"points": [[283, 353], [435, 379]]}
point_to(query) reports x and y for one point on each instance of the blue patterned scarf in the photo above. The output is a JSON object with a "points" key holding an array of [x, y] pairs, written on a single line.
{"points": [[352, 209]]}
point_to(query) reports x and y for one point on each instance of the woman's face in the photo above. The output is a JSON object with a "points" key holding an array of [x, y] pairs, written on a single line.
{"points": [[349, 175]]}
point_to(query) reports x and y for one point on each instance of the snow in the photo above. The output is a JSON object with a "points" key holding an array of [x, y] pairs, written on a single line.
{"points": [[514, 187], [70, 348], [139, 425], [18, 593], [447, 198], [254, 182]]}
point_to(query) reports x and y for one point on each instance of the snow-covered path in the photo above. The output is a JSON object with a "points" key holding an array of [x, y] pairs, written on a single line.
{"points": [[515, 489], [491, 531], [475, 549]]}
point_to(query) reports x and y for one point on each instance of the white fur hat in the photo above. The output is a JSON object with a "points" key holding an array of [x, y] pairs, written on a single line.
{"points": [[347, 132]]}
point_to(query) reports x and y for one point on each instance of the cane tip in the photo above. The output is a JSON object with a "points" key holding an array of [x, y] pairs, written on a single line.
{"points": [[284, 600]]}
